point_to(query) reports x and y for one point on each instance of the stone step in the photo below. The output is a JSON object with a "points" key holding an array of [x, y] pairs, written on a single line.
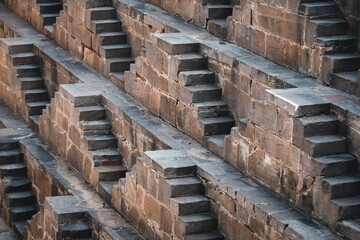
{"points": [[33, 95], [326, 145], [32, 82], [216, 126], [17, 199], [112, 38], [75, 230], [118, 78], [341, 186], [30, 70], [337, 43], [197, 77], [190, 62], [171, 164], [200, 93], [110, 173], [14, 169], [182, 187], [211, 109], [7, 144], [19, 228], [50, 18], [20, 48], [319, 9], [215, 143], [49, 31], [316, 126], [212, 235], [189, 205], [35, 108], [119, 64], [220, 11], [34, 122], [101, 13], [217, 27], [327, 27], [350, 228], [102, 26], [18, 185], [197, 223], [107, 154], [49, 7], [115, 51], [335, 165], [342, 62], [95, 125], [23, 58], [204, 2], [11, 156], [105, 190], [108, 141], [345, 81], [22, 212], [92, 113], [348, 207]]}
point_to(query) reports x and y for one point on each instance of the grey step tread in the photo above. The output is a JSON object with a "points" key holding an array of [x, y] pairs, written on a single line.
{"points": [[199, 222], [118, 46], [348, 76], [31, 79], [219, 22], [39, 90], [116, 168], [184, 181], [20, 209], [12, 166], [97, 124], [106, 21], [340, 56], [20, 228], [75, 226], [325, 138], [331, 40], [215, 120], [10, 152], [212, 235], [218, 140], [348, 201], [37, 104], [35, 119], [198, 217], [203, 87], [27, 66], [190, 204], [111, 34], [342, 179], [91, 108], [101, 8], [50, 4], [350, 228], [100, 137], [50, 15], [336, 158], [318, 119], [105, 153], [210, 104], [18, 184], [328, 21], [124, 59], [23, 55], [20, 195], [319, 4], [190, 56]]}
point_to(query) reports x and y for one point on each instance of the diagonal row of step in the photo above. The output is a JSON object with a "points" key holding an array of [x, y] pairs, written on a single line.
{"points": [[326, 29], [49, 10], [101, 143], [19, 202], [33, 89], [111, 40], [340, 180], [216, 12], [199, 89]]}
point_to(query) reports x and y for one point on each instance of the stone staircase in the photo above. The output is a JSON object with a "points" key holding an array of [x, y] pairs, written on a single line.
{"points": [[326, 30], [339, 186], [49, 10], [18, 201], [216, 13], [199, 89], [180, 190], [75, 230], [102, 146], [33, 89], [110, 41]]}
